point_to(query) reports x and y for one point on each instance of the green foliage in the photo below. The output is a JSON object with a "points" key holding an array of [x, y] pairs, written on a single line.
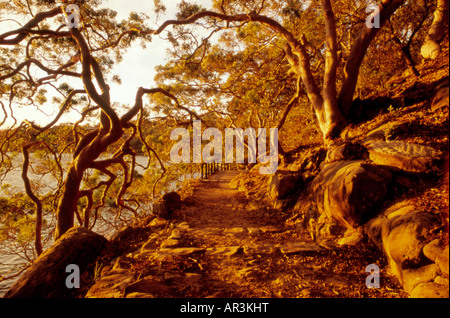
{"points": [[16, 219]]}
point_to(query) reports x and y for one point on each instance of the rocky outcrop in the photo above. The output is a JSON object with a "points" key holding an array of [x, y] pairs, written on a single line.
{"points": [[46, 277], [409, 157], [351, 192], [345, 151], [349, 198], [167, 204], [284, 183], [404, 233], [441, 98]]}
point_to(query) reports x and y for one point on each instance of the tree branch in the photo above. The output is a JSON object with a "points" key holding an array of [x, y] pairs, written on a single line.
{"points": [[25, 30]]}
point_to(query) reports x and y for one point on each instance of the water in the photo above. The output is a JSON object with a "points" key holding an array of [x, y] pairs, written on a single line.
{"points": [[11, 264]]}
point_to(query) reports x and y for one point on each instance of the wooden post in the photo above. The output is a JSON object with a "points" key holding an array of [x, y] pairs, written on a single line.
{"points": [[204, 170]]}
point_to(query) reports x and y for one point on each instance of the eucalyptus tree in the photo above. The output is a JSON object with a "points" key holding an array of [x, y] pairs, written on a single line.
{"points": [[324, 43], [60, 46]]}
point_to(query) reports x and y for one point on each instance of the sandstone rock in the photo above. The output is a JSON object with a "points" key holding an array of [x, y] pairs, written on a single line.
{"points": [[312, 159], [325, 228], [441, 281], [263, 249], [284, 183], [225, 251], [147, 286], [351, 238], [373, 230], [346, 151], [110, 286], [167, 204], [415, 276], [387, 131], [432, 250], [350, 191], [441, 99], [180, 251], [170, 243], [430, 290], [271, 229], [404, 237], [47, 275], [298, 247], [172, 201], [430, 50], [399, 208], [402, 155], [373, 227], [235, 230], [442, 260]]}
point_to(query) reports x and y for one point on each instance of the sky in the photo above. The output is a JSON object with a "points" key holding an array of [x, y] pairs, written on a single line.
{"points": [[137, 67]]}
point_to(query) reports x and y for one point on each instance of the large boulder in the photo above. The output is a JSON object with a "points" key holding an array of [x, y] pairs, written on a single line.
{"points": [[46, 277], [351, 191], [402, 155], [404, 237], [167, 204], [284, 183], [404, 233]]}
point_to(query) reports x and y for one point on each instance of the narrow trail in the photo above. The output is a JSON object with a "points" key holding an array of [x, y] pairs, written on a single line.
{"points": [[258, 256], [215, 205], [215, 248]]}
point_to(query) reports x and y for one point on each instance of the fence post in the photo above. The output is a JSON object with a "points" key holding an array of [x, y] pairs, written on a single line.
{"points": [[205, 170]]}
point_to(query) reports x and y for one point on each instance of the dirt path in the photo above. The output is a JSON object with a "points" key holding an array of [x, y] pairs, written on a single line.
{"points": [[251, 256], [214, 248], [215, 205]]}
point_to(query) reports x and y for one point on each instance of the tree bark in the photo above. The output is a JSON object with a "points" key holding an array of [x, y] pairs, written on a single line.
{"points": [[357, 54], [431, 48], [334, 121], [68, 203], [33, 197]]}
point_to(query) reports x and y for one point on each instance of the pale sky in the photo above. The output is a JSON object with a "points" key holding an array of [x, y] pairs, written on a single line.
{"points": [[137, 67]]}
